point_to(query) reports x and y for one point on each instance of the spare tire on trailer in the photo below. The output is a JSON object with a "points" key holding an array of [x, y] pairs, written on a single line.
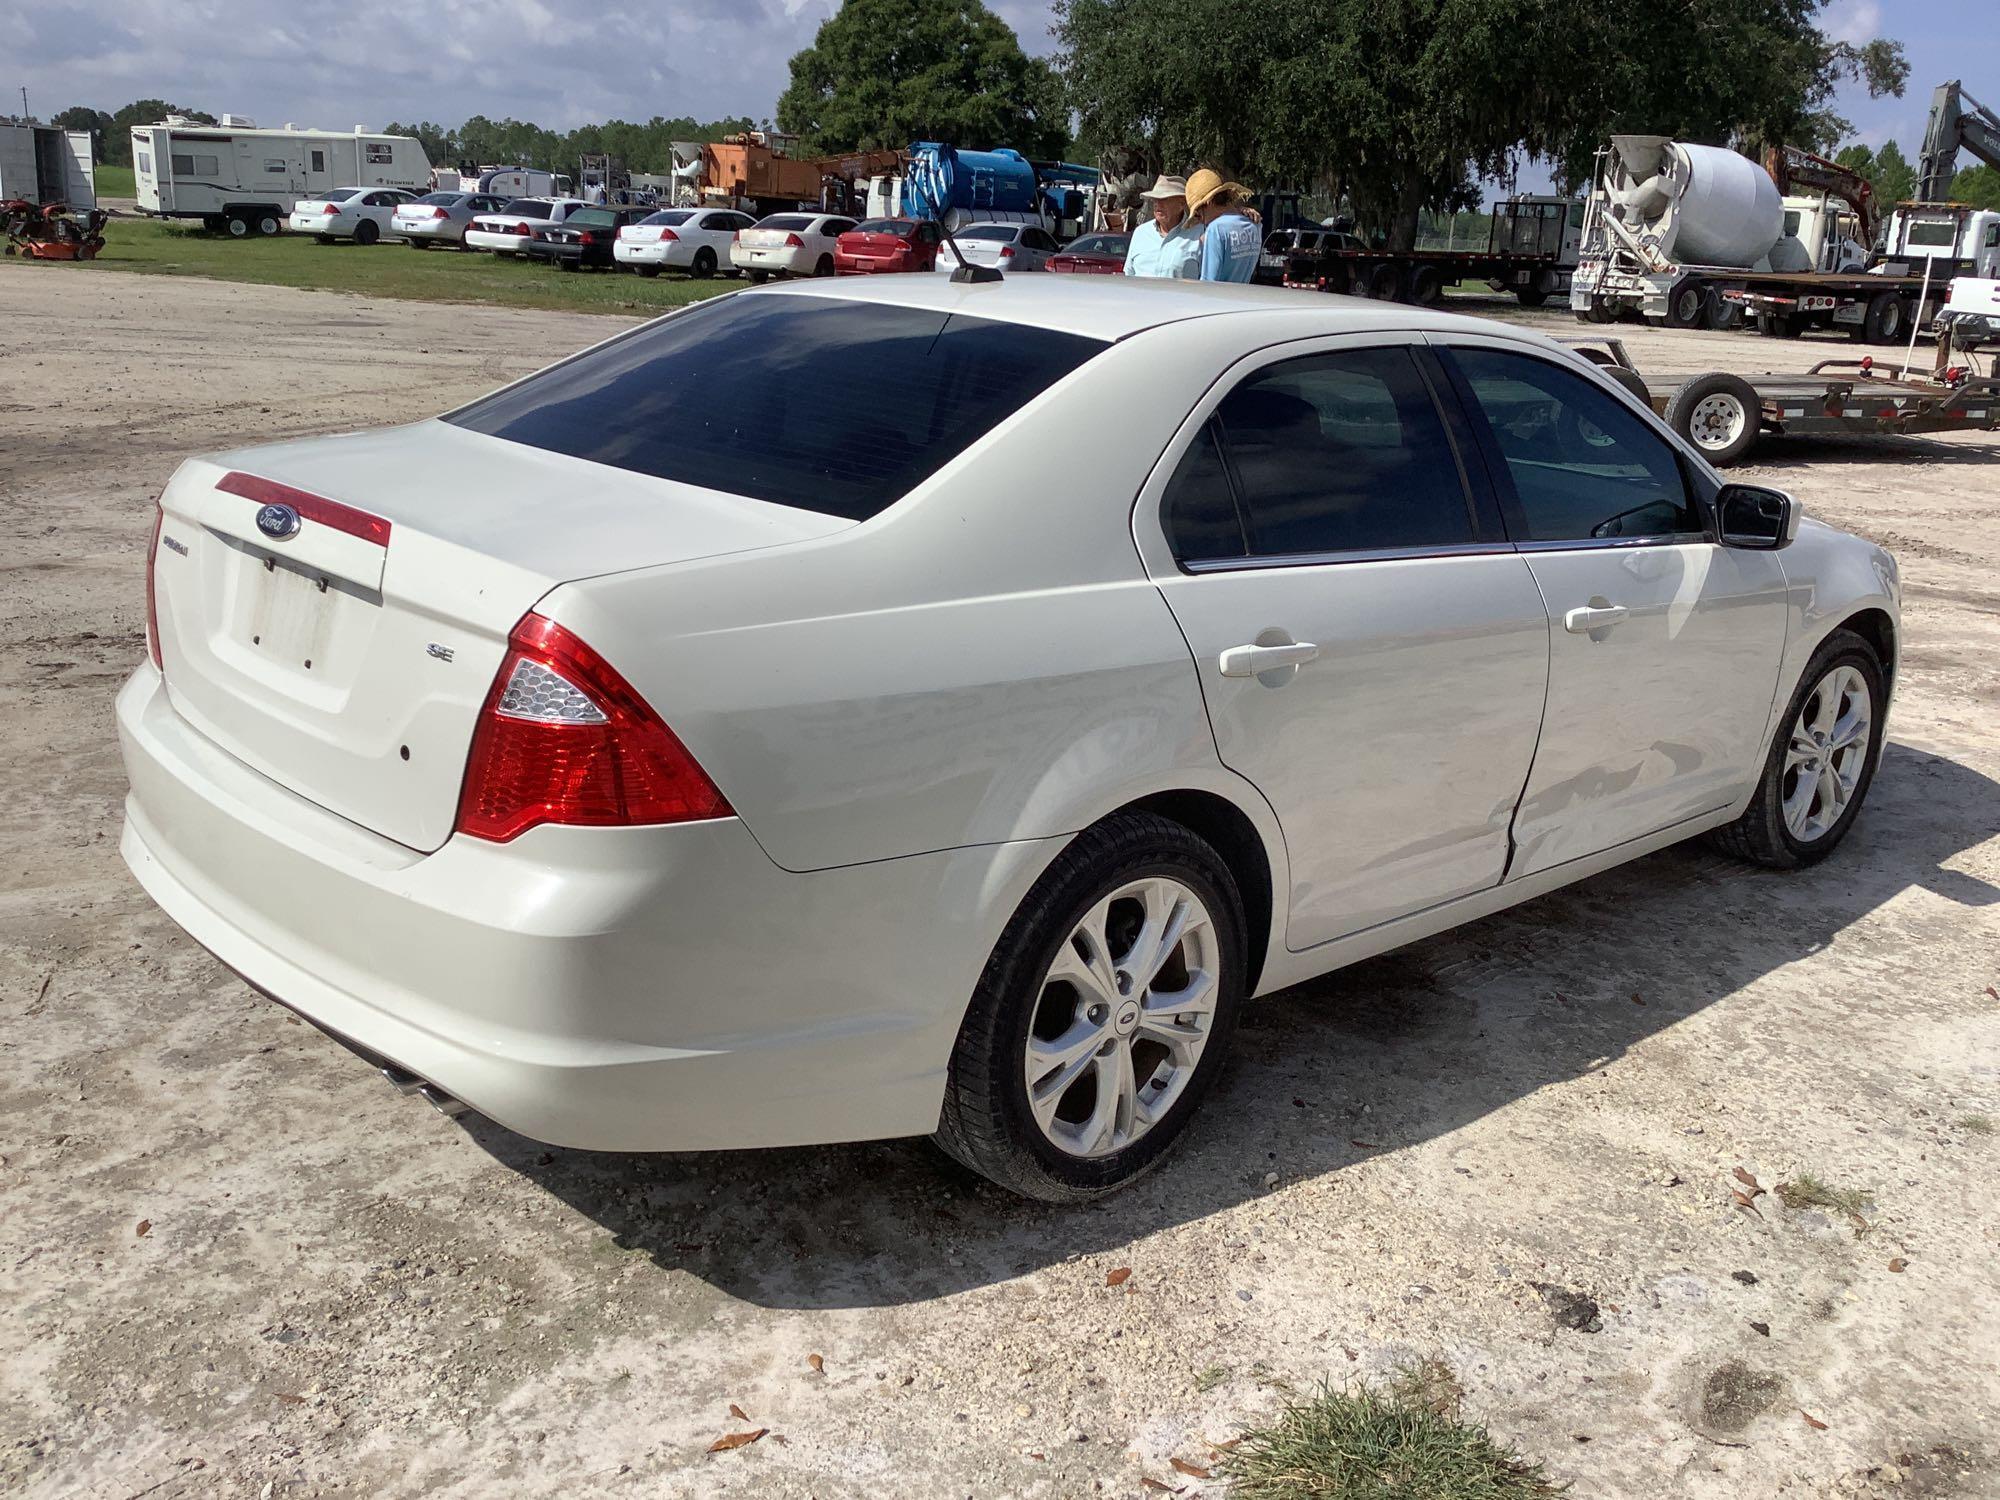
{"points": [[1887, 321], [1719, 413]]}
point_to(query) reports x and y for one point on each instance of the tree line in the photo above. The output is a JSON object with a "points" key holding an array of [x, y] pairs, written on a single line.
{"points": [[1393, 110]]}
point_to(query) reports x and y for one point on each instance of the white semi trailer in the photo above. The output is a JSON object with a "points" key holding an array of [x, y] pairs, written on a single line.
{"points": [[44, 164], [242, 180]]}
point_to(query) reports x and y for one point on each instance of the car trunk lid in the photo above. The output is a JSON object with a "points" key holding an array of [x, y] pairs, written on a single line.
{"points": [[346, 655]]}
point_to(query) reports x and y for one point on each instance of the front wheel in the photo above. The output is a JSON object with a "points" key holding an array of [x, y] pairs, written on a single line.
{"points": [[1820, 767], [1103, 1014]]}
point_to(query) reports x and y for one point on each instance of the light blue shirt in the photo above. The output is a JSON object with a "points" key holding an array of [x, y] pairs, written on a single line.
{"points": [[1175, 255], [1230, 247]]}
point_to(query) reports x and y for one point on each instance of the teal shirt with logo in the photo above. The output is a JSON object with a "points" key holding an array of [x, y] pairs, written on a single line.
{"points": [[1230, 247]]}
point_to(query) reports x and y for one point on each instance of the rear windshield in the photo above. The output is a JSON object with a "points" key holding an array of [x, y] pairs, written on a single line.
{"points": [[989, 232], [1931, 232], [831, 406], [669, 216], [786, 221], [528, 208], [1101, 244], [338, 195], [604, 217], [901, 227], [447, 199]]}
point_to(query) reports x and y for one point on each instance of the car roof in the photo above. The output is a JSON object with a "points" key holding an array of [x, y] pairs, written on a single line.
{"points": [[1116, 307]]}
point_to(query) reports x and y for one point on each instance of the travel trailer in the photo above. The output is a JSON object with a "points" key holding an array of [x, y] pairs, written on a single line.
{"points": [[238, 178], [45, 165]]}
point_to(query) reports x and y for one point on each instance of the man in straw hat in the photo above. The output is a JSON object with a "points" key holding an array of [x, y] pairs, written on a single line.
{"points": [[1231, 237], [1170, 245]]}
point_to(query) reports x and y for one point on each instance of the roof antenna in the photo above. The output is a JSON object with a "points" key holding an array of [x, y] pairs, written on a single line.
{"points": [[967, 271]]}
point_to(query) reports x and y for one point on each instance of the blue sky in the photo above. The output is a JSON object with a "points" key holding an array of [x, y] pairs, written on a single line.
{"points": [[561, 63]]}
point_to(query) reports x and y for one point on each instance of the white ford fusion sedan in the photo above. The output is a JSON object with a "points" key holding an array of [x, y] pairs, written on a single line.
{"points": [[894, 706]]}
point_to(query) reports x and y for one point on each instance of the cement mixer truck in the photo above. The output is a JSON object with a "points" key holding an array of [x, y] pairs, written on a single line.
{"points": [[1692, 236]]}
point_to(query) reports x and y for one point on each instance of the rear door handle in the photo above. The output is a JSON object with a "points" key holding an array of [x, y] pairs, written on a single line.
{"points": [[1248, 661], [1586, 619]]}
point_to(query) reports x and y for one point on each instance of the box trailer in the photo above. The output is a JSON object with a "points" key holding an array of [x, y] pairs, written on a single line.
{"points": [[242, 180], [44, 165]]}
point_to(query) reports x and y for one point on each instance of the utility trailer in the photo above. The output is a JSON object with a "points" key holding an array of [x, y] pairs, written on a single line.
{"points": [[1723, 414], [1531, 249]]}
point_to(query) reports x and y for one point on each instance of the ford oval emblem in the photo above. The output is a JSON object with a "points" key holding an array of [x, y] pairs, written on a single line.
{"points": [[278, 522]]}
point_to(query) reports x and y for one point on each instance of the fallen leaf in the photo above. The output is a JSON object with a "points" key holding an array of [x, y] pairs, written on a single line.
{"points": [[1040, 1458], [1147, 1482], [1365, 1145], [145, 1228], [290, 1400], [1991, 993], [1756, 1190], [1119, 1277], [817, 1364], [738, 1412], [1812, 1421], [1762, 1328], [1636, 1000], [730, 1441], [1193, 1471], [1898, 1263], [1298, 1103], [1742, 1200], [1225, 1447]]}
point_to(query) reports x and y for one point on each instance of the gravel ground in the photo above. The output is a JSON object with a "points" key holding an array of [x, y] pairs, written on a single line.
{"points": [[233, 1262]]}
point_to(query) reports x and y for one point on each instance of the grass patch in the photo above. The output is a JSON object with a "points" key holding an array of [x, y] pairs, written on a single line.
{"points": [[389, 269], [1404, 1441], [115, 182], [1976, 1124], [1211, 1377], [1808, 1191]]}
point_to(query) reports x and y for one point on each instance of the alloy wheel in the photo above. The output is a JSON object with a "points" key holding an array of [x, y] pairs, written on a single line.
{"points": [[1827, 752], [1122, 1017]]}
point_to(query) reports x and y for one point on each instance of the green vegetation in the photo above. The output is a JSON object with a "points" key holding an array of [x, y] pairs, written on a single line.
{"points": [[1976, 1124], [1808, 1191], [390, 269], [1403, 1442], [115, 182], [1210, 1377]]}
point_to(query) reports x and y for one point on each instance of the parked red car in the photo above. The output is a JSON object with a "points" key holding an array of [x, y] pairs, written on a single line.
{"points": [[878, 245], [1093, 255]]}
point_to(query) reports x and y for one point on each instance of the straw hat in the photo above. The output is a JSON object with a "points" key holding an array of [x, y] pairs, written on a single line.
{"points": [[1167, 187], [1204, 185]]}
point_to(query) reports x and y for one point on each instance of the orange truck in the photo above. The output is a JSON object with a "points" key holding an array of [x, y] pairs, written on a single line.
{"points": [[749, 171]]}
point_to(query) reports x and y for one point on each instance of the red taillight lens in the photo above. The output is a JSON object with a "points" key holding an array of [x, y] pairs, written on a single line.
{"points": [[793, 242], [585, 237], [668, 234], [152, 590], [524, 230], [311, 507], [332, 209], [438, 213], [564, 739], [1006, 252]]}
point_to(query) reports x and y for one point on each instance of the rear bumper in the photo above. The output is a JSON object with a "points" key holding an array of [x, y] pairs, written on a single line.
{"points": [[786, 262], [444, 233], [659, 253], [485, 239], [662, 988]]}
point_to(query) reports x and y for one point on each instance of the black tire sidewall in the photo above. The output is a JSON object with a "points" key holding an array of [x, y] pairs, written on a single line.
{"points": [[1680, 414], [1841, 648], [1012, 985]]}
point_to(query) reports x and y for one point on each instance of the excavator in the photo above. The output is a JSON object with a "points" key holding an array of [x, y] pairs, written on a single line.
{"points": [[1795, 170], [1958, 121]]}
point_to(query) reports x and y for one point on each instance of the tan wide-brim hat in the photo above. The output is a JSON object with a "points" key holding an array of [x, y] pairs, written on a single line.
{"points": [[1167, 187], [1204, 185]]}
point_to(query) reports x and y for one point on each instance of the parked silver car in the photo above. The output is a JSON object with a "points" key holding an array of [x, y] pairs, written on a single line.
{"points": [[441, 218]]}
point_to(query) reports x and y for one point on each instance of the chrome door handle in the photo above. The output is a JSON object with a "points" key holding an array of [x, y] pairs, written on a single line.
{"points": [[1248, 661], [1586, 619]]}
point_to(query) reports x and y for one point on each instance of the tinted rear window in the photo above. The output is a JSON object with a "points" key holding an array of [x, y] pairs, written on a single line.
{"points": [[601, 217], [669, 216], [444, 199], [903, 227], [1101, 244], [837, 407], [527, 208], [1003, 232], [786, 221]]}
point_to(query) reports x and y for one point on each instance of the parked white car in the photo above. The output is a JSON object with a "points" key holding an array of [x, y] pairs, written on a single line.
{"points": [[1007, 247], [507, 230], [363, 215], [789, 245], [695, 240], [806, 776], [440, 218]]}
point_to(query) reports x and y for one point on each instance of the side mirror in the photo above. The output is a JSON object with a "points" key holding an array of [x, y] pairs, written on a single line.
{"points": [[1756, 518]]}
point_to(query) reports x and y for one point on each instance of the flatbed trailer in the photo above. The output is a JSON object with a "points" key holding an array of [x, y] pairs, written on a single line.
{"points": [[1531, 248], [1723, 414], [1872, 309]]}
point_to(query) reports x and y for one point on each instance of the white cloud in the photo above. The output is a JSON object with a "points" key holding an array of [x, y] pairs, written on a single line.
{"points": [[1853, 21]]}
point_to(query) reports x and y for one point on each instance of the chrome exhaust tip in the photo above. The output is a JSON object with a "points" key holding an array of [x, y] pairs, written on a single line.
{"points": [[442, 1102], [404, 1083]]}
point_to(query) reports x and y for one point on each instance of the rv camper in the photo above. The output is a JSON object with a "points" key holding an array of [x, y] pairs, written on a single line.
{"points": [[45, 165], [238, 178]]}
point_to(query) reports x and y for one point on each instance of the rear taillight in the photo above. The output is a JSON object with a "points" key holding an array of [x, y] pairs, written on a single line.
{"points": [[152, 590], [564, 739], [525, 230], [668, 234], [793, 242], [585, 237], [438, 213], [332, 210], [1006, 252]]}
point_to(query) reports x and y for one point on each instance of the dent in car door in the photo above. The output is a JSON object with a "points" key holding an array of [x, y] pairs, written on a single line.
{"points": [[1664, 646], [1373, 654]]}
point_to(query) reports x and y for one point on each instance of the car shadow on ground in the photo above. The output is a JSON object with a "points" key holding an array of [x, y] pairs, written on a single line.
{"points": [[1386, 1054], [1775, 452]]}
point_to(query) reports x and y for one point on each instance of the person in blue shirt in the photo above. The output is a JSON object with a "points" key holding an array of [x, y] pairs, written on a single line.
{"points": [[1231, 237], [1169, 245]]}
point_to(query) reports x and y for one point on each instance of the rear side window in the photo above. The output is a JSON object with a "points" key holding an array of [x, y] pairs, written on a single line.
{"points": [[1582, 464], [829, 406], [1332, 453]]}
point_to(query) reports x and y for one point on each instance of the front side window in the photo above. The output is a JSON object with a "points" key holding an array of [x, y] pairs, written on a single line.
{"points": [[1332, 453], [830, 406], [1584, 466]]}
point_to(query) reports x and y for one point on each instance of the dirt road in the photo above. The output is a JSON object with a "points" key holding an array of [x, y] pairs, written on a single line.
{"points": [[233, 1262]]}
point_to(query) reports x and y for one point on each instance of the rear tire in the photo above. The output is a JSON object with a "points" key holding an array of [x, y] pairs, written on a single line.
{"points": [[1687, 304], [1888, 319], [1530, 296], [324, 239], [1719, 413], [1384, 282], [1798, 816], [758, 278], [367, 232], [988, 1121], [823, 266], [1426, 286], [647, 271], [704, 262], [1776, 326], [238, 226], [267, 223]]}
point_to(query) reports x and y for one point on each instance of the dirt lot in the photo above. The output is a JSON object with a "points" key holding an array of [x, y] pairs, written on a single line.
{"points": [[233, 1262]]}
